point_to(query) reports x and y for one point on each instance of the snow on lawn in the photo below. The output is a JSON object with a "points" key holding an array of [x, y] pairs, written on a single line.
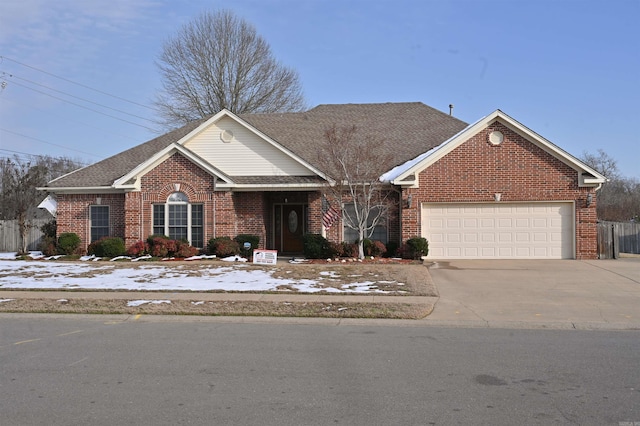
{"points": [[19, 274]]}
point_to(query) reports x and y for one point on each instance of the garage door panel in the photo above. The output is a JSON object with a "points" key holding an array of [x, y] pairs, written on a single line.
{"points": [[499, 230]]}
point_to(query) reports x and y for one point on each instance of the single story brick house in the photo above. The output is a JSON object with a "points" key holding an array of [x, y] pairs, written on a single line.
{"points": [[491, 189]]}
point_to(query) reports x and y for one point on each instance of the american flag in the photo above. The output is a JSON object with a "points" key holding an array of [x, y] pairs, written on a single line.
{"points": [[329, 217]]}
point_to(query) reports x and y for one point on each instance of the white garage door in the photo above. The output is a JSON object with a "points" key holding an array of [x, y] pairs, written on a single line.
{"points": [[499, 230]]}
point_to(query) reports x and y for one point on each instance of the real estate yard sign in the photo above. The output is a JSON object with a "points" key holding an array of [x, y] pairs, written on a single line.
{"points": [[265, 257]]}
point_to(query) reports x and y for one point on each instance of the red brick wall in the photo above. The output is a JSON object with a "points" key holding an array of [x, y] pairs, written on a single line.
{"points": [[73, 214], [518, 169]]}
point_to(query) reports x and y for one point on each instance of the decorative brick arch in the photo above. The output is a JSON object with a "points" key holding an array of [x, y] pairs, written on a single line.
{"points": [[183, 187]]}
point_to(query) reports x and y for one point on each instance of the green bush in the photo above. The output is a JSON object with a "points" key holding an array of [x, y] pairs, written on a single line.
{"points": [[107, 247], [49, 229], [247, 238], [48, 246], [415, 248], [315, 246], [373, 248], [223, 246], [68, 242], [392, 249]]}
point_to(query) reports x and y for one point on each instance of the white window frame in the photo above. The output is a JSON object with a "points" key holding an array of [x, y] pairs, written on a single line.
{"points": [[182, 201]]}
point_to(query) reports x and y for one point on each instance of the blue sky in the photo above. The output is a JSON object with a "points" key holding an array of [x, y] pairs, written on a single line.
{"points": [[568, 69]]}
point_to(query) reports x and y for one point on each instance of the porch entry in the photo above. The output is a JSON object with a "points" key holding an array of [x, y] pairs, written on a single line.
{"points": [[290, 224]]}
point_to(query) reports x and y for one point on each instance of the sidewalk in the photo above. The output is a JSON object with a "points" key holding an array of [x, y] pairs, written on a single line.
{"points": [[559, 294]]}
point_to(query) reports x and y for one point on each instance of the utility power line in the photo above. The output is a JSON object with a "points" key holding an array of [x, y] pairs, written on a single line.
{"points": [[70, 95], [83, 106], [77, 84], [48, 143]]}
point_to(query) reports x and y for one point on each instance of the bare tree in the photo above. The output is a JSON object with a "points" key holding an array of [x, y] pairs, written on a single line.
{"points": [[619, 198], [19, 179], [354, 162], [219, 61], [19, 182]]}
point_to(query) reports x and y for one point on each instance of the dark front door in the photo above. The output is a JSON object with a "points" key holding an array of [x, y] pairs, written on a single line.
{"points": [[289, 227]]}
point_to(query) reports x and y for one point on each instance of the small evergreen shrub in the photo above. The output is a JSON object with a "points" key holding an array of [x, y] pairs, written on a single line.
{"points": [[373, 248], [349, 249], [315, 246], [392, 249], [414, 248], [68, 242], [49, 229], [48, 246], [247, 238], [223, 247], [107, 247]]}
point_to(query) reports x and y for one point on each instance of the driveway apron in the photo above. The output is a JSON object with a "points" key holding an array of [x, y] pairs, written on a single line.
{"points": [[563, 293]]}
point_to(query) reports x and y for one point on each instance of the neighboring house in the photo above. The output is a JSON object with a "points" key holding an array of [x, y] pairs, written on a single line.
{"points": [[492, 189]]}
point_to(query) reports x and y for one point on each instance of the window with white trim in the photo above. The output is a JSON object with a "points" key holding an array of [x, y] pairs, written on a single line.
{"points": [[180, 220], [99, 217], [379, 233]]}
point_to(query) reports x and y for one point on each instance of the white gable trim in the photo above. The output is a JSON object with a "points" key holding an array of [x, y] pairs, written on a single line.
{"points": [[226, 113], [160, 157], [406, 174]]}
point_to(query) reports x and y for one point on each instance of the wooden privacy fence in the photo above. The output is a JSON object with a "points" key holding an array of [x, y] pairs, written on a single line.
{"points": [[10, 235], [618, 237]]}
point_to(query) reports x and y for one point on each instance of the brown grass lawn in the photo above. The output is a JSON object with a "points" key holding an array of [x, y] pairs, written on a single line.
{"points": [[397, 279]]}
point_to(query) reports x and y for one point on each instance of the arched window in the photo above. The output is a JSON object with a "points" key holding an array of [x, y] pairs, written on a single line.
{"points": [[179, 220]]}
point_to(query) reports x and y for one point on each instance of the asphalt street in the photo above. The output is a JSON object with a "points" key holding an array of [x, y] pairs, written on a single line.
{"points": [[106, 370]]}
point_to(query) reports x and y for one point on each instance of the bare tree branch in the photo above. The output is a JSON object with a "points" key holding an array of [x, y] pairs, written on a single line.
{"points": [[219, 61], [354, 162]]}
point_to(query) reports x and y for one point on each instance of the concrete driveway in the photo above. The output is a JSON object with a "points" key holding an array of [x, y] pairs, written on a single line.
{"points": [[589, 294]]}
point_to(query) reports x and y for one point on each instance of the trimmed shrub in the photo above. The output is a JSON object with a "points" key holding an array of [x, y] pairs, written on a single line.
{"points": [[223, 246], [243, 238], [184, 249], [48, 246], [107, 247], [392, 249], [138, 249], [414, 248], [68, 242], [49, 229], [247, 238], [315, 246], [349, 249], [161, 246], [48, 243], [373, 248]]}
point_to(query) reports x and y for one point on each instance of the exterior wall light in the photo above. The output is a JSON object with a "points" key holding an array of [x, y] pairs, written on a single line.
{"points": [[409, 200], [589, 199]]}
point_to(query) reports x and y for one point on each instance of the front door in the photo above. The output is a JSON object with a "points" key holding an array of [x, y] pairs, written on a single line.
{"points": [[289, 227]]}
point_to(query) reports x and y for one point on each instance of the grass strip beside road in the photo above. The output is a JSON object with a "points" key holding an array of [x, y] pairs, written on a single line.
{"points": [[386, 310]]}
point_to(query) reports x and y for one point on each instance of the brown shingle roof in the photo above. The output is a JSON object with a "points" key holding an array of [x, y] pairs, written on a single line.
{"points": [[406, 130], [105, 172]]}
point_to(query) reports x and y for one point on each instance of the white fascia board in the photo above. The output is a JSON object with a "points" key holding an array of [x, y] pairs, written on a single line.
{"points": [[254, 130], [158, 158], [271, 187]]}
